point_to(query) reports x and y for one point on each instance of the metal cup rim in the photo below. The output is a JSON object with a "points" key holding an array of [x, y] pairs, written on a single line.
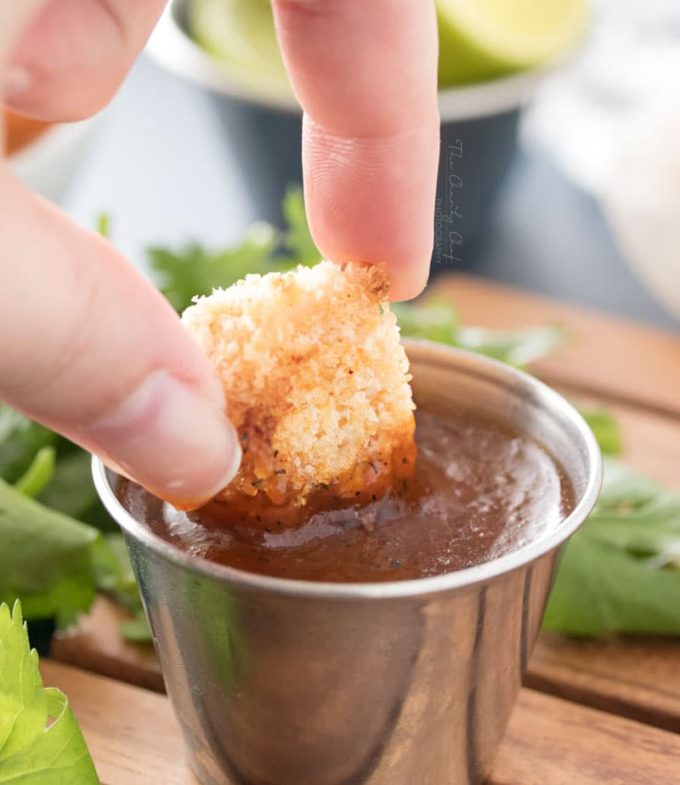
{"points": [[461, 579]]}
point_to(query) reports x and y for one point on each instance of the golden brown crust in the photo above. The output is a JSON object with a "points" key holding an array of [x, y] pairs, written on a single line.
{"points": [[315, 379]]}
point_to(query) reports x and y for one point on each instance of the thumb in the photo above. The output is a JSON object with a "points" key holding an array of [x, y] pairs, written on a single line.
{"points": [[91, 349]]}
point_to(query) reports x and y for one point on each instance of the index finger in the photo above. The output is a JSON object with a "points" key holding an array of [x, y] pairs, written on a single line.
{"points": [[366, 76]]}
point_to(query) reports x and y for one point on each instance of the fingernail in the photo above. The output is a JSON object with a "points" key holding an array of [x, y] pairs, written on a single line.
{"points": [[17, 80], [171, 440]]}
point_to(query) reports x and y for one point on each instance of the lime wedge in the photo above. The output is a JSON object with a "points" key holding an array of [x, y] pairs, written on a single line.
{"points": [[239, 33], [484, 39]]}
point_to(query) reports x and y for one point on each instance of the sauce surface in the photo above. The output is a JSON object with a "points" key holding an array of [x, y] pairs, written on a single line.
{"points": [[480, 490]]}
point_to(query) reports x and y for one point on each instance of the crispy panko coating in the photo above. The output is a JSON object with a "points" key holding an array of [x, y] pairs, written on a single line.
{"points": [[316, 383]]}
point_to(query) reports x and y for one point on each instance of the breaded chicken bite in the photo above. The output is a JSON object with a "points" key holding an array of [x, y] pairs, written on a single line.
{"points": [[315, 379]]}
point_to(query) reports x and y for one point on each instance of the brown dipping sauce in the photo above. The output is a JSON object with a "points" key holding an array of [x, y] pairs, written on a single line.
{"points": [[480, 490]]}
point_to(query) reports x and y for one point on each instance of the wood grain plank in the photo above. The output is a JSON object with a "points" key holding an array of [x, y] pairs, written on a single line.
{"points": [[95, 644], [634, 677], [613, 358], [135, 740], [555, 742]]}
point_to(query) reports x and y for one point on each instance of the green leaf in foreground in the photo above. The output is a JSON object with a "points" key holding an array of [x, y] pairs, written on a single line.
{"points": [[40, 741], [606, 430], [46, 558], [621, 571]]}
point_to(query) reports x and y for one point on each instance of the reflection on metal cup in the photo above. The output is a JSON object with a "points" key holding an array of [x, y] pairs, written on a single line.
{"points": [[281, 682]]}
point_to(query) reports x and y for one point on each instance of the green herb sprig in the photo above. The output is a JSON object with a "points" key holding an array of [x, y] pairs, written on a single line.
{"points": [[40, 740]]}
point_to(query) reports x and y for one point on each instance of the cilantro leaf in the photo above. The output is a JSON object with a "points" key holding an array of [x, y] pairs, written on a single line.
{"points": [[46, 558], [602, 589], [298, 241], [116, 578], [621, 571], [47, 466], [51, 560], [70, 489], [38, 474], [103, 225], [517, 347], [40, 741], [435, 319], [137, 629], [195, 270], [20, 440], [114, 572], [606, 430]]}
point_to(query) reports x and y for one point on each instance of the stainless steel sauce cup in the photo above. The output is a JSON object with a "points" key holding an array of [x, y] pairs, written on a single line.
{"points": [[281, 682]]}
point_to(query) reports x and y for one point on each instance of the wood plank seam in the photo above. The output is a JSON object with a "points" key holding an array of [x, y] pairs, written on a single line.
{"points": [[610, 703]]}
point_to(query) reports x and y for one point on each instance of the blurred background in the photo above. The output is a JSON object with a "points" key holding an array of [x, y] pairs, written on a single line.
{"points": [[560, 166]]}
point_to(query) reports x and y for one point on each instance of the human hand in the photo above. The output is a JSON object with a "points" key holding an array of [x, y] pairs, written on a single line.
{"points": [[365, 73], [88, 346]]}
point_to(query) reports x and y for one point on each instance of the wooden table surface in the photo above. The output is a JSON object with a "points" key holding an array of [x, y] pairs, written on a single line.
{"points": [[592, 711]]}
